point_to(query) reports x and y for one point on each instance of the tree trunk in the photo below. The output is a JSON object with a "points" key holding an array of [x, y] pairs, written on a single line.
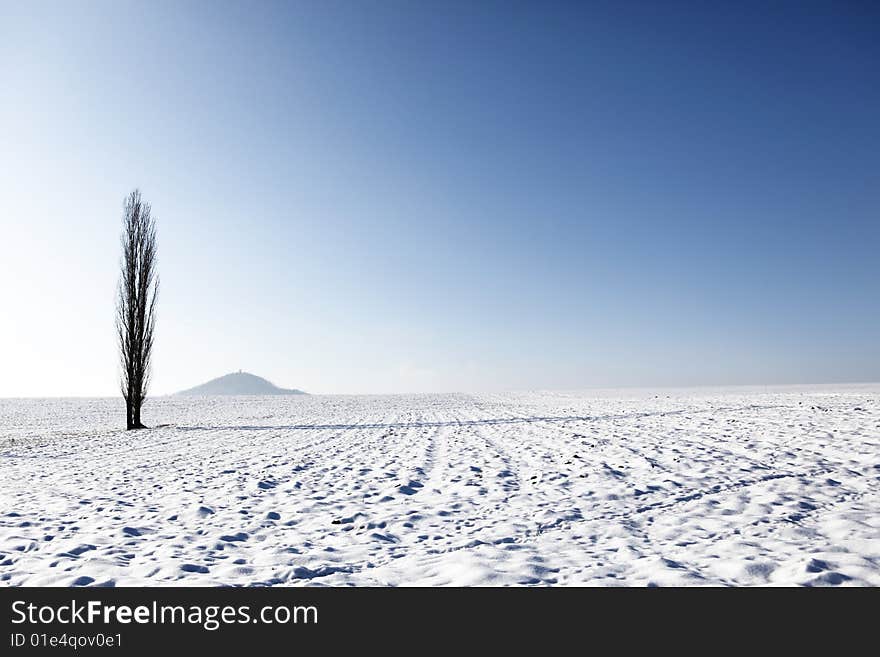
{"points": [[129, 415]]}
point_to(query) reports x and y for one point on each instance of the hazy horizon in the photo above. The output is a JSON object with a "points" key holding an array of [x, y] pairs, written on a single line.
{"points": [[779, 386], [403, 198]]}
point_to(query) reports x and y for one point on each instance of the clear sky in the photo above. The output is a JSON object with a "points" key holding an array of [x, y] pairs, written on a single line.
{"points": [[415, 196]]}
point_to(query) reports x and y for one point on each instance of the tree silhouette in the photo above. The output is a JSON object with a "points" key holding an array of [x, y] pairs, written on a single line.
{"points": [[136, 304]]}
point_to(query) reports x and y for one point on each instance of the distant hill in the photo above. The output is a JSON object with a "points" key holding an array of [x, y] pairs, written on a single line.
{"points": [[239, 383]]}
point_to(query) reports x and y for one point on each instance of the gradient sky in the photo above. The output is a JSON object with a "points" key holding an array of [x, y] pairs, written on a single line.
{"points": [[414, 196]]}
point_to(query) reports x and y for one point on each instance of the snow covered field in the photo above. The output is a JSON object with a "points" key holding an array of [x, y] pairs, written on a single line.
{"points": [[735, 486]]}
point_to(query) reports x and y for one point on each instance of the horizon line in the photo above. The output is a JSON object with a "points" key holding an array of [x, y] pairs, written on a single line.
{"points": [[600, 388]]}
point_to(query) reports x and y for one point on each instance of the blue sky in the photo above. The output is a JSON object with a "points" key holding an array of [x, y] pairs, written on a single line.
{"points": [[420, 197]]}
